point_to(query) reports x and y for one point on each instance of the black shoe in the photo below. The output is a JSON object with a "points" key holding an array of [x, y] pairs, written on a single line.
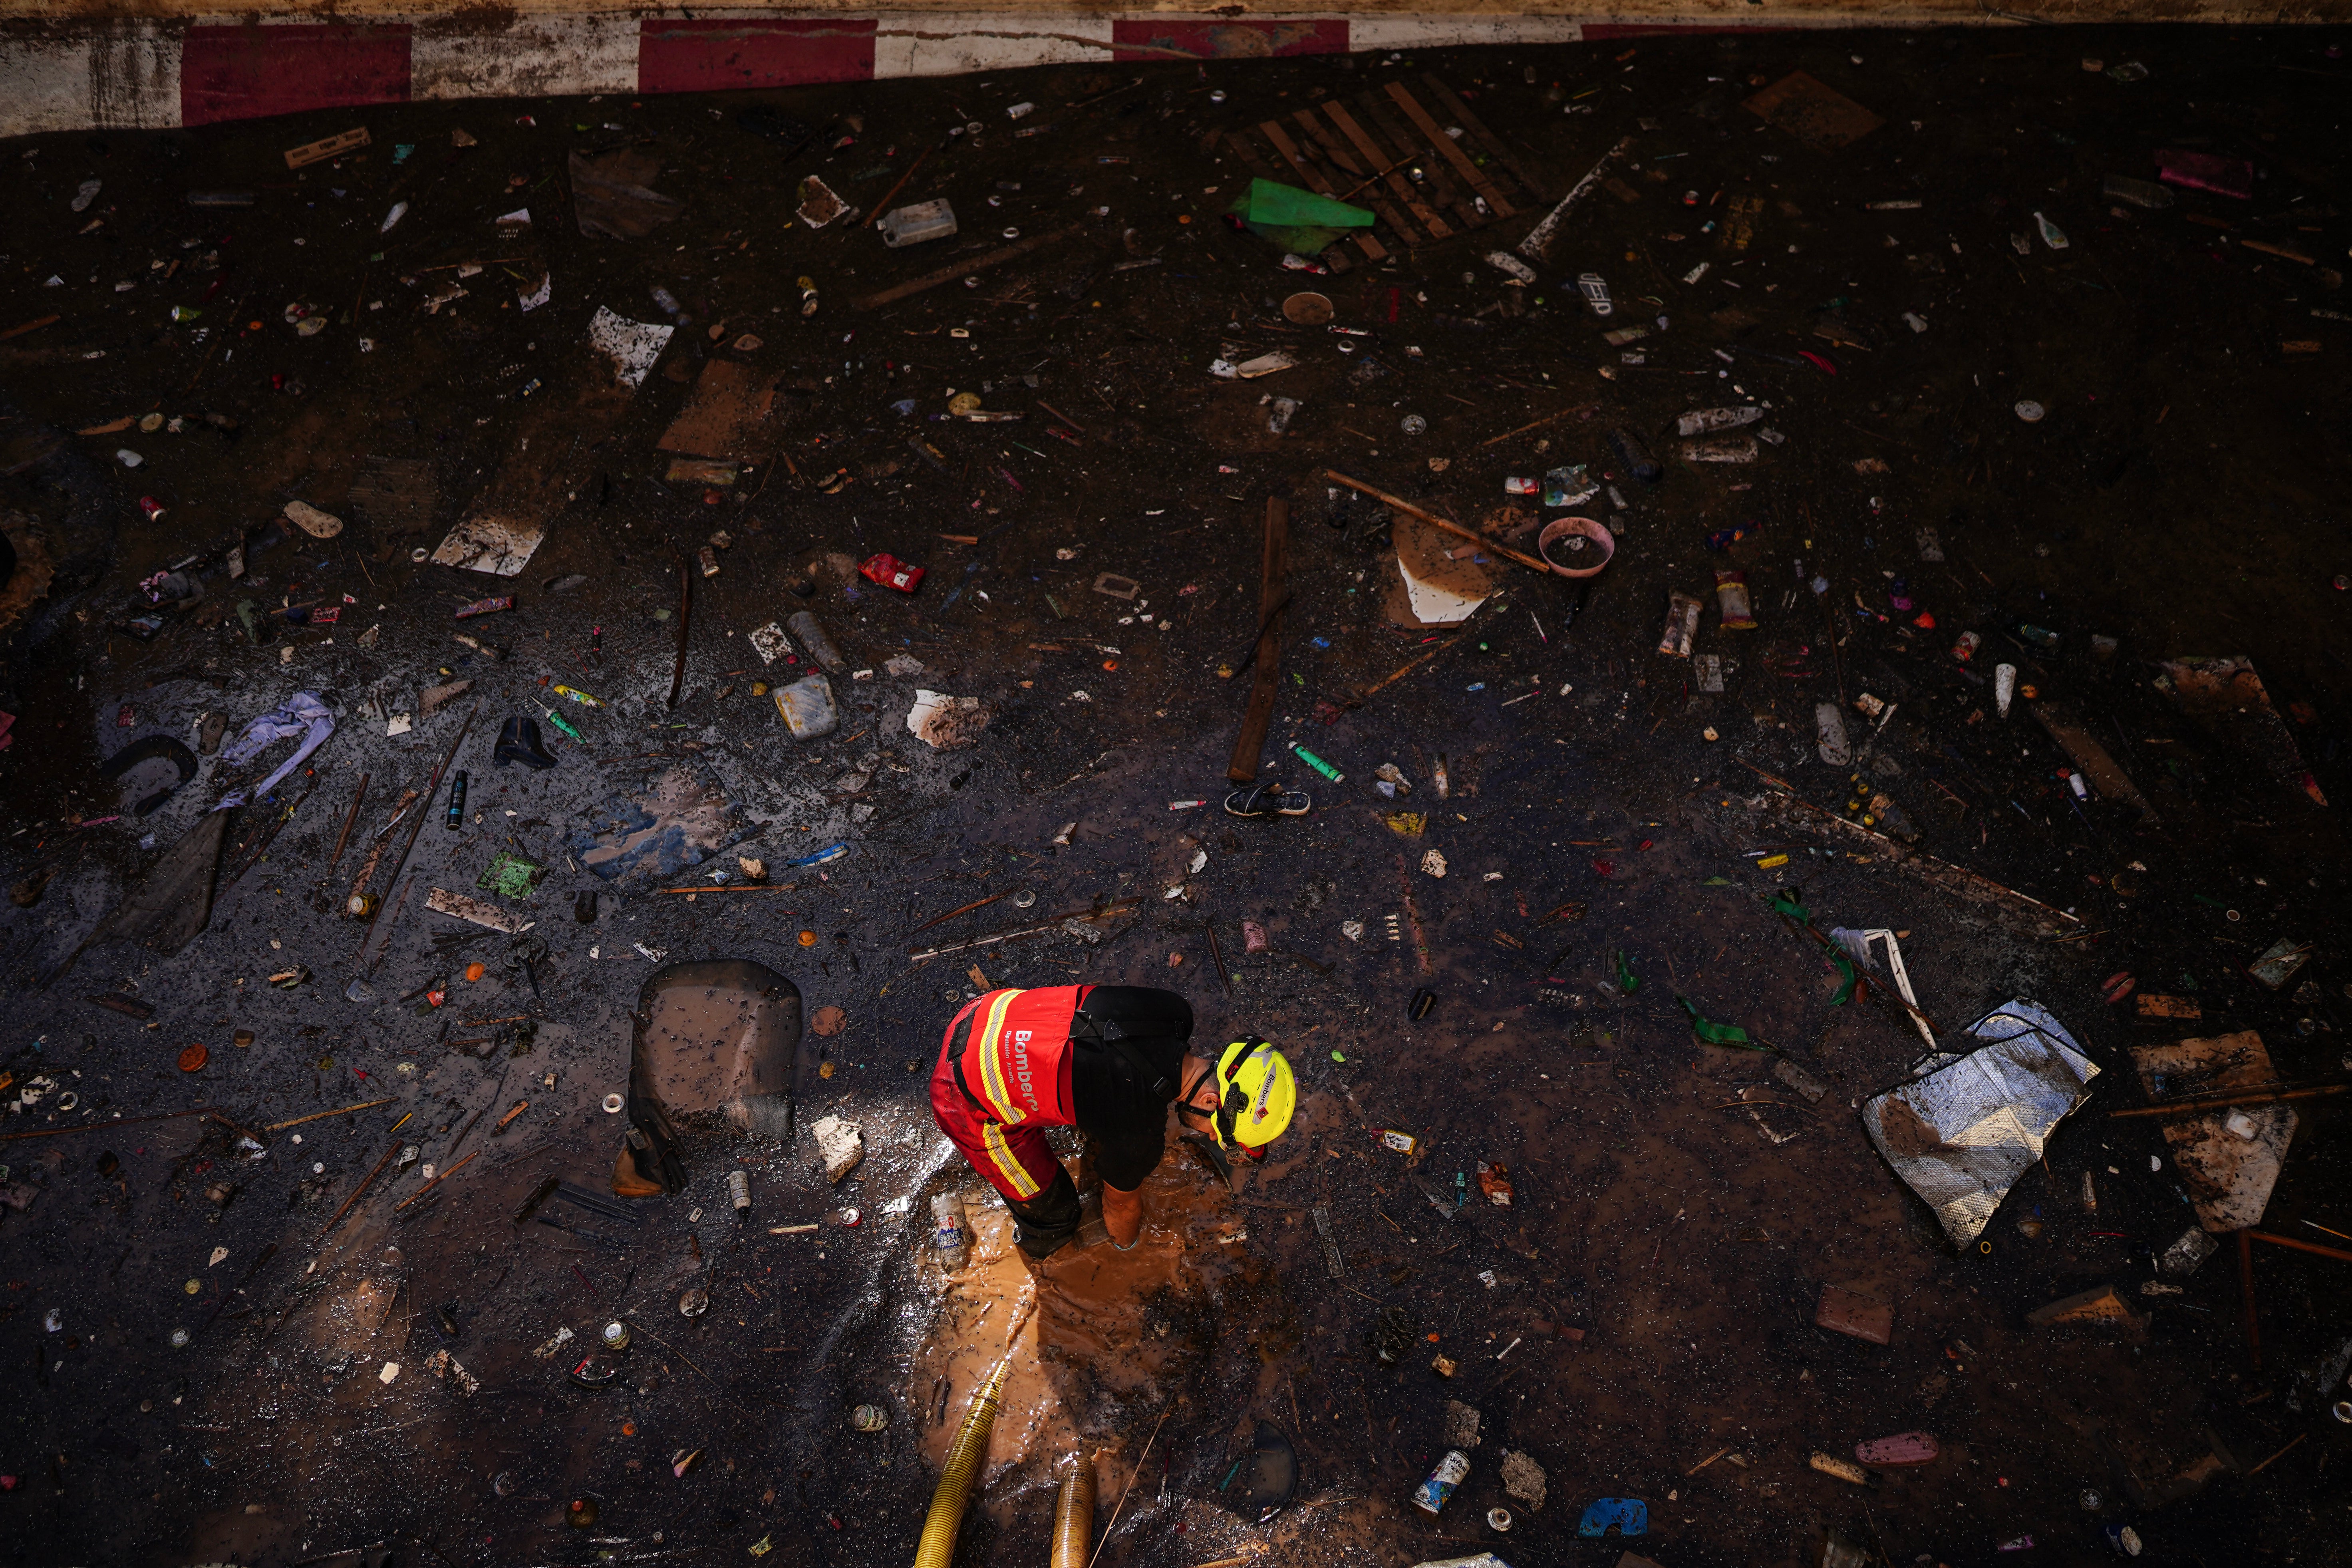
{"points": [[519, 742], [1268, 800]]}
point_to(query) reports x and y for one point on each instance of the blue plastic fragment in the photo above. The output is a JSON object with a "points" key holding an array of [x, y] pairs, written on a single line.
{"points": [[1626, 1515]]}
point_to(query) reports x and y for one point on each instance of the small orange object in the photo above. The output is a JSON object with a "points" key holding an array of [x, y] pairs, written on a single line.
{"points": [[475, 971], [194, 1058], [628, 1429], [1111, 664], [2028, 692], [808, 939]]}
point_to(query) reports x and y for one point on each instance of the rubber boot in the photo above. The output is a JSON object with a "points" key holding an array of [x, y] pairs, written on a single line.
{"points": [[1122, 1216]]}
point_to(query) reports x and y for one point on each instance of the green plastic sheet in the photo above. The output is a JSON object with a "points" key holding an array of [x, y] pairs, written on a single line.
{"points": [[1299, 221]]}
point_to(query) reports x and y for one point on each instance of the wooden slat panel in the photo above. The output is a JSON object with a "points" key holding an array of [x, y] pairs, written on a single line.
{"points": [[1249, 155], [1448, 151], [1371, 197], [1493, 144], [1442, 191], [1382, 159], [1273, 131]]}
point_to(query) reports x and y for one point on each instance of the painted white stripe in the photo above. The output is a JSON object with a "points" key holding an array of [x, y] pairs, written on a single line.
{"points": [[1365, 34], [534, 56], [122, 76], [959, 43]]}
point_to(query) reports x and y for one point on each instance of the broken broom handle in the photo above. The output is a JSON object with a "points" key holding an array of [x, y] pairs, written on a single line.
{"points": [[1529, 562], [1264, 684]]}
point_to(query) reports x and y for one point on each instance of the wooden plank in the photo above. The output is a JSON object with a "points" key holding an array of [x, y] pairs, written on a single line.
{"points": [[1361, 190], [1382, 159], [1486, 138], [1273, 131], [1448, 151], [1265, 682], [1249, 156], [1328, 143], [1441, 189]]}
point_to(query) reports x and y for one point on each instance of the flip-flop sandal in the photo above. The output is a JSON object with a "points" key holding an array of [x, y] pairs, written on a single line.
{"points": [[1268, 800]]}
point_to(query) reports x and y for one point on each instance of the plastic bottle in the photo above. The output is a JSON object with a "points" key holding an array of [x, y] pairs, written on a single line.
{"points": [[812, 637]]}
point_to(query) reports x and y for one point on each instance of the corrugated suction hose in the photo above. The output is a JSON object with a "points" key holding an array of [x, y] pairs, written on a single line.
{"points": [[1074, 1514], [966, 1456]]}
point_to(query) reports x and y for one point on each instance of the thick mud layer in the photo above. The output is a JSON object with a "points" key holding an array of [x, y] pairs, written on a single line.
{"points": [[1528, 933]]}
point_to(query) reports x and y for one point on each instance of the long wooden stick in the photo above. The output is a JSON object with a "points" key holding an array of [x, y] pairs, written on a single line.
{"points": [[975, 904], [954, 270], [1538, 425], [1529, 562], [2337, 1253], [2260, 1097], [319, 1115], [344, 838], [1129, 1488], [685, 612], [360, 1191], [88, 1126], [883, 205], [423, 811], [436, 1182], [1273, 561]]}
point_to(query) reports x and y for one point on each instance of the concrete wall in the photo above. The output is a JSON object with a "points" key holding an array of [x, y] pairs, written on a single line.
{"points": [[75, 64]]}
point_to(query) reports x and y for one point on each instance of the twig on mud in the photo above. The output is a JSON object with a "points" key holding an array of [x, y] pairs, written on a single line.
{"points": [[1138, 1470]]}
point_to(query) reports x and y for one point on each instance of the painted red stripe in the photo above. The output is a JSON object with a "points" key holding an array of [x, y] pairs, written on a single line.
{"points": [[245, 72], [711, 55], [1145, 39]]}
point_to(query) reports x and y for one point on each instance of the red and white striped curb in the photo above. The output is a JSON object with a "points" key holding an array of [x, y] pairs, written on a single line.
{"points": [[152, 74]]}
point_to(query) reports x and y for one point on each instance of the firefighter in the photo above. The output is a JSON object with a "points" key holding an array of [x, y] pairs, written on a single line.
{"points": [[1109, 1061]]}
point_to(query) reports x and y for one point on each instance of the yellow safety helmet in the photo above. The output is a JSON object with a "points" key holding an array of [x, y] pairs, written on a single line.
{"points": [[1256, 1094]]}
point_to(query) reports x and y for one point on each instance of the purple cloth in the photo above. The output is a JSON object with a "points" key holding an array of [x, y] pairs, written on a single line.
{"points": [[303, 715]]}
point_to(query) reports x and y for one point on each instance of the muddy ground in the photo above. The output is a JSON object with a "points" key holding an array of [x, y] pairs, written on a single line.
{"points": [[1646, 1302]]}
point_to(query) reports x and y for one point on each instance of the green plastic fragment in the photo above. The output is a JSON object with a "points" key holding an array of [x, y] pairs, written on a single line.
{"points": [[1730, 1035]]}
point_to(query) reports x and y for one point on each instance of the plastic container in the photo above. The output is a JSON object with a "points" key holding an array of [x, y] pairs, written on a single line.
{"points": [[1575, 547], [1452, 1470], [807, 708], [917, 223]]}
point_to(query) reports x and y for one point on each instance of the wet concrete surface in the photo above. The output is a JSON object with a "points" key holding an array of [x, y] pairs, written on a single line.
{"points": [[1645, 1302]]}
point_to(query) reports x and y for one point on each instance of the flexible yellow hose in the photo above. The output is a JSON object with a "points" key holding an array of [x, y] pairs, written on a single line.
{"points": [[1074, 1514], [966, 1455]]}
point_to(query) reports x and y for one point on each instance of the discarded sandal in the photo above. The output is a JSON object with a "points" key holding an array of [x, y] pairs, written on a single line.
{"points": [[519, 742], [1268, 800]]}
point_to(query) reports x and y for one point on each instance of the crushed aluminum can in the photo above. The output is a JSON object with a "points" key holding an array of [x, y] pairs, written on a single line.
{"points": [[1682, 625], [1429, 1497], [1966, 648], [486, 606]]}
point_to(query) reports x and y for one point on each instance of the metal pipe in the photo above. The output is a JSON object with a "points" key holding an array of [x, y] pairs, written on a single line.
{"points": [[1074, 1514], [960, 1477]]}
